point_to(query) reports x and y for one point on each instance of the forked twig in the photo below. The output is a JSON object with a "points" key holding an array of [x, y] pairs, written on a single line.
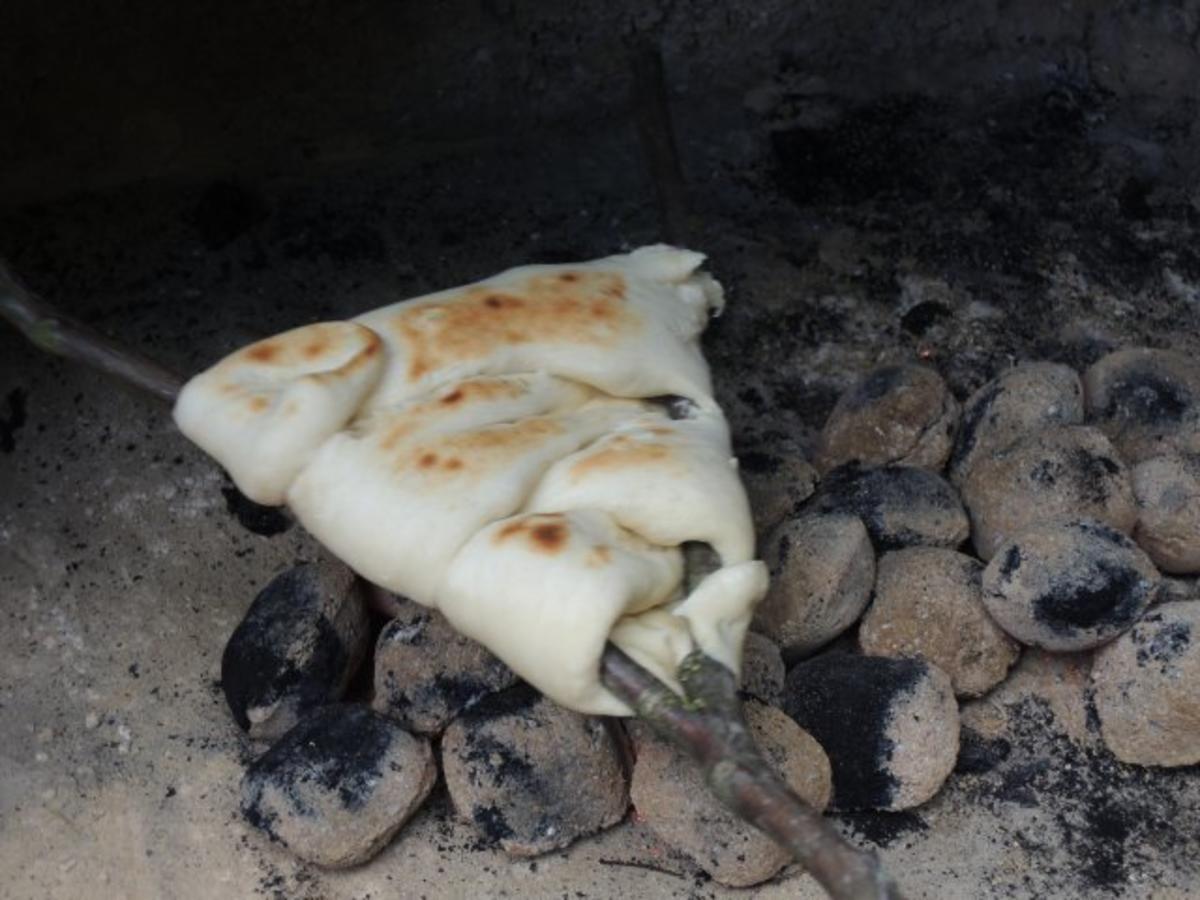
{"points": [[707, 724]]}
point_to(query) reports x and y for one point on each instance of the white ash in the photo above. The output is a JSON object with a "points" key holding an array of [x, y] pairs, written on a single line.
{"points": [[1147, 693], [1168, 498], [929, 605]]}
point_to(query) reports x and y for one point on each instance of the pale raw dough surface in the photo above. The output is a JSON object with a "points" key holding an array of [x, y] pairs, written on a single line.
{"points": [[492, 450]]}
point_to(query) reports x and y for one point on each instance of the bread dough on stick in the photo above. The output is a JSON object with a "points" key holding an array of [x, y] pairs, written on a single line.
{"points": [[485, 450]]}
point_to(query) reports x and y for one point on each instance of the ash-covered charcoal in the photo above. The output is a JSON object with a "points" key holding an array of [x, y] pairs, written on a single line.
{"points": [[1018, 402], [822, 569], [1147, 686], [1069, 586], [1167, 489], [530, 775], [671, 797], [777, 478], [426, 672], [763, 670], [337, 787], [896, 414], [929, 605], [1147, 401], [1058, 474], [901, 506], [890, 726], [300, 643]]}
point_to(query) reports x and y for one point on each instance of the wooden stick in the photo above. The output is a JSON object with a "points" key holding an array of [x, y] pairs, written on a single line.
{"points": [[49, 330], [707, 724]]}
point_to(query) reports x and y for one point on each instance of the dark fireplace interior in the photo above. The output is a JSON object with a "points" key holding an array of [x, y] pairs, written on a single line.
{"points": [[965, 185]]}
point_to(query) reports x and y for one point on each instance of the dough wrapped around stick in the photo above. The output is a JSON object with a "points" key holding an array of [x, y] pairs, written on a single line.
{"points": [[501, 451]]}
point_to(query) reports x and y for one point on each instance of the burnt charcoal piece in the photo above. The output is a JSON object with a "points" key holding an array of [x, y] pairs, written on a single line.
{"points": [[901, 506], [929, 605], [1019, 402], [890, 726], [1146, 693], [337, 787], [1168, 497], [1059, 474], [426, 672], [777, 477], [1146, 401], [673, 800], [267, 521], [531, 775], [895, 414], [763, 670], [822, 569], [297, 648], [1068, 586]]}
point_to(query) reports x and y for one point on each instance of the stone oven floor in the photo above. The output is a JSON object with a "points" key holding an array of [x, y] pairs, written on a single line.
{"points": [[123, 569]]}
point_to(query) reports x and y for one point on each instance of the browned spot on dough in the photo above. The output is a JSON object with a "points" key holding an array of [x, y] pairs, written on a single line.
{"points": [[569, 277], [258, 403], [453, 464], [588, 312], [489, 449], [550, 537], [598, 556], [546, 533], [453, 397], [508, 531], [619, 453], [313, 349], [427, 460], [264, 352]]}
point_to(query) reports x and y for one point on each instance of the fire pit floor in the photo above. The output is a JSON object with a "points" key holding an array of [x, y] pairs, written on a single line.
{"points": [[126, 562]]}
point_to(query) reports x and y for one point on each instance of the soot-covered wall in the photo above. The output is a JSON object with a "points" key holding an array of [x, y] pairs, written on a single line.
{"points": [[104, 94]]}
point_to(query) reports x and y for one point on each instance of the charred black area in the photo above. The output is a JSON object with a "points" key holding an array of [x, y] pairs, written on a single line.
{"points": [[847, 703], [1106, 595], [973, 416], [491, 823], [877, 385], [883, 829], [1099, 820], [1144, 396], [515, 701], [12, 421], [1161, 643], [978, 754], [284, 648], [889, 500], [267, 521], [1011, 562], [497, 761], [337, 750]]}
